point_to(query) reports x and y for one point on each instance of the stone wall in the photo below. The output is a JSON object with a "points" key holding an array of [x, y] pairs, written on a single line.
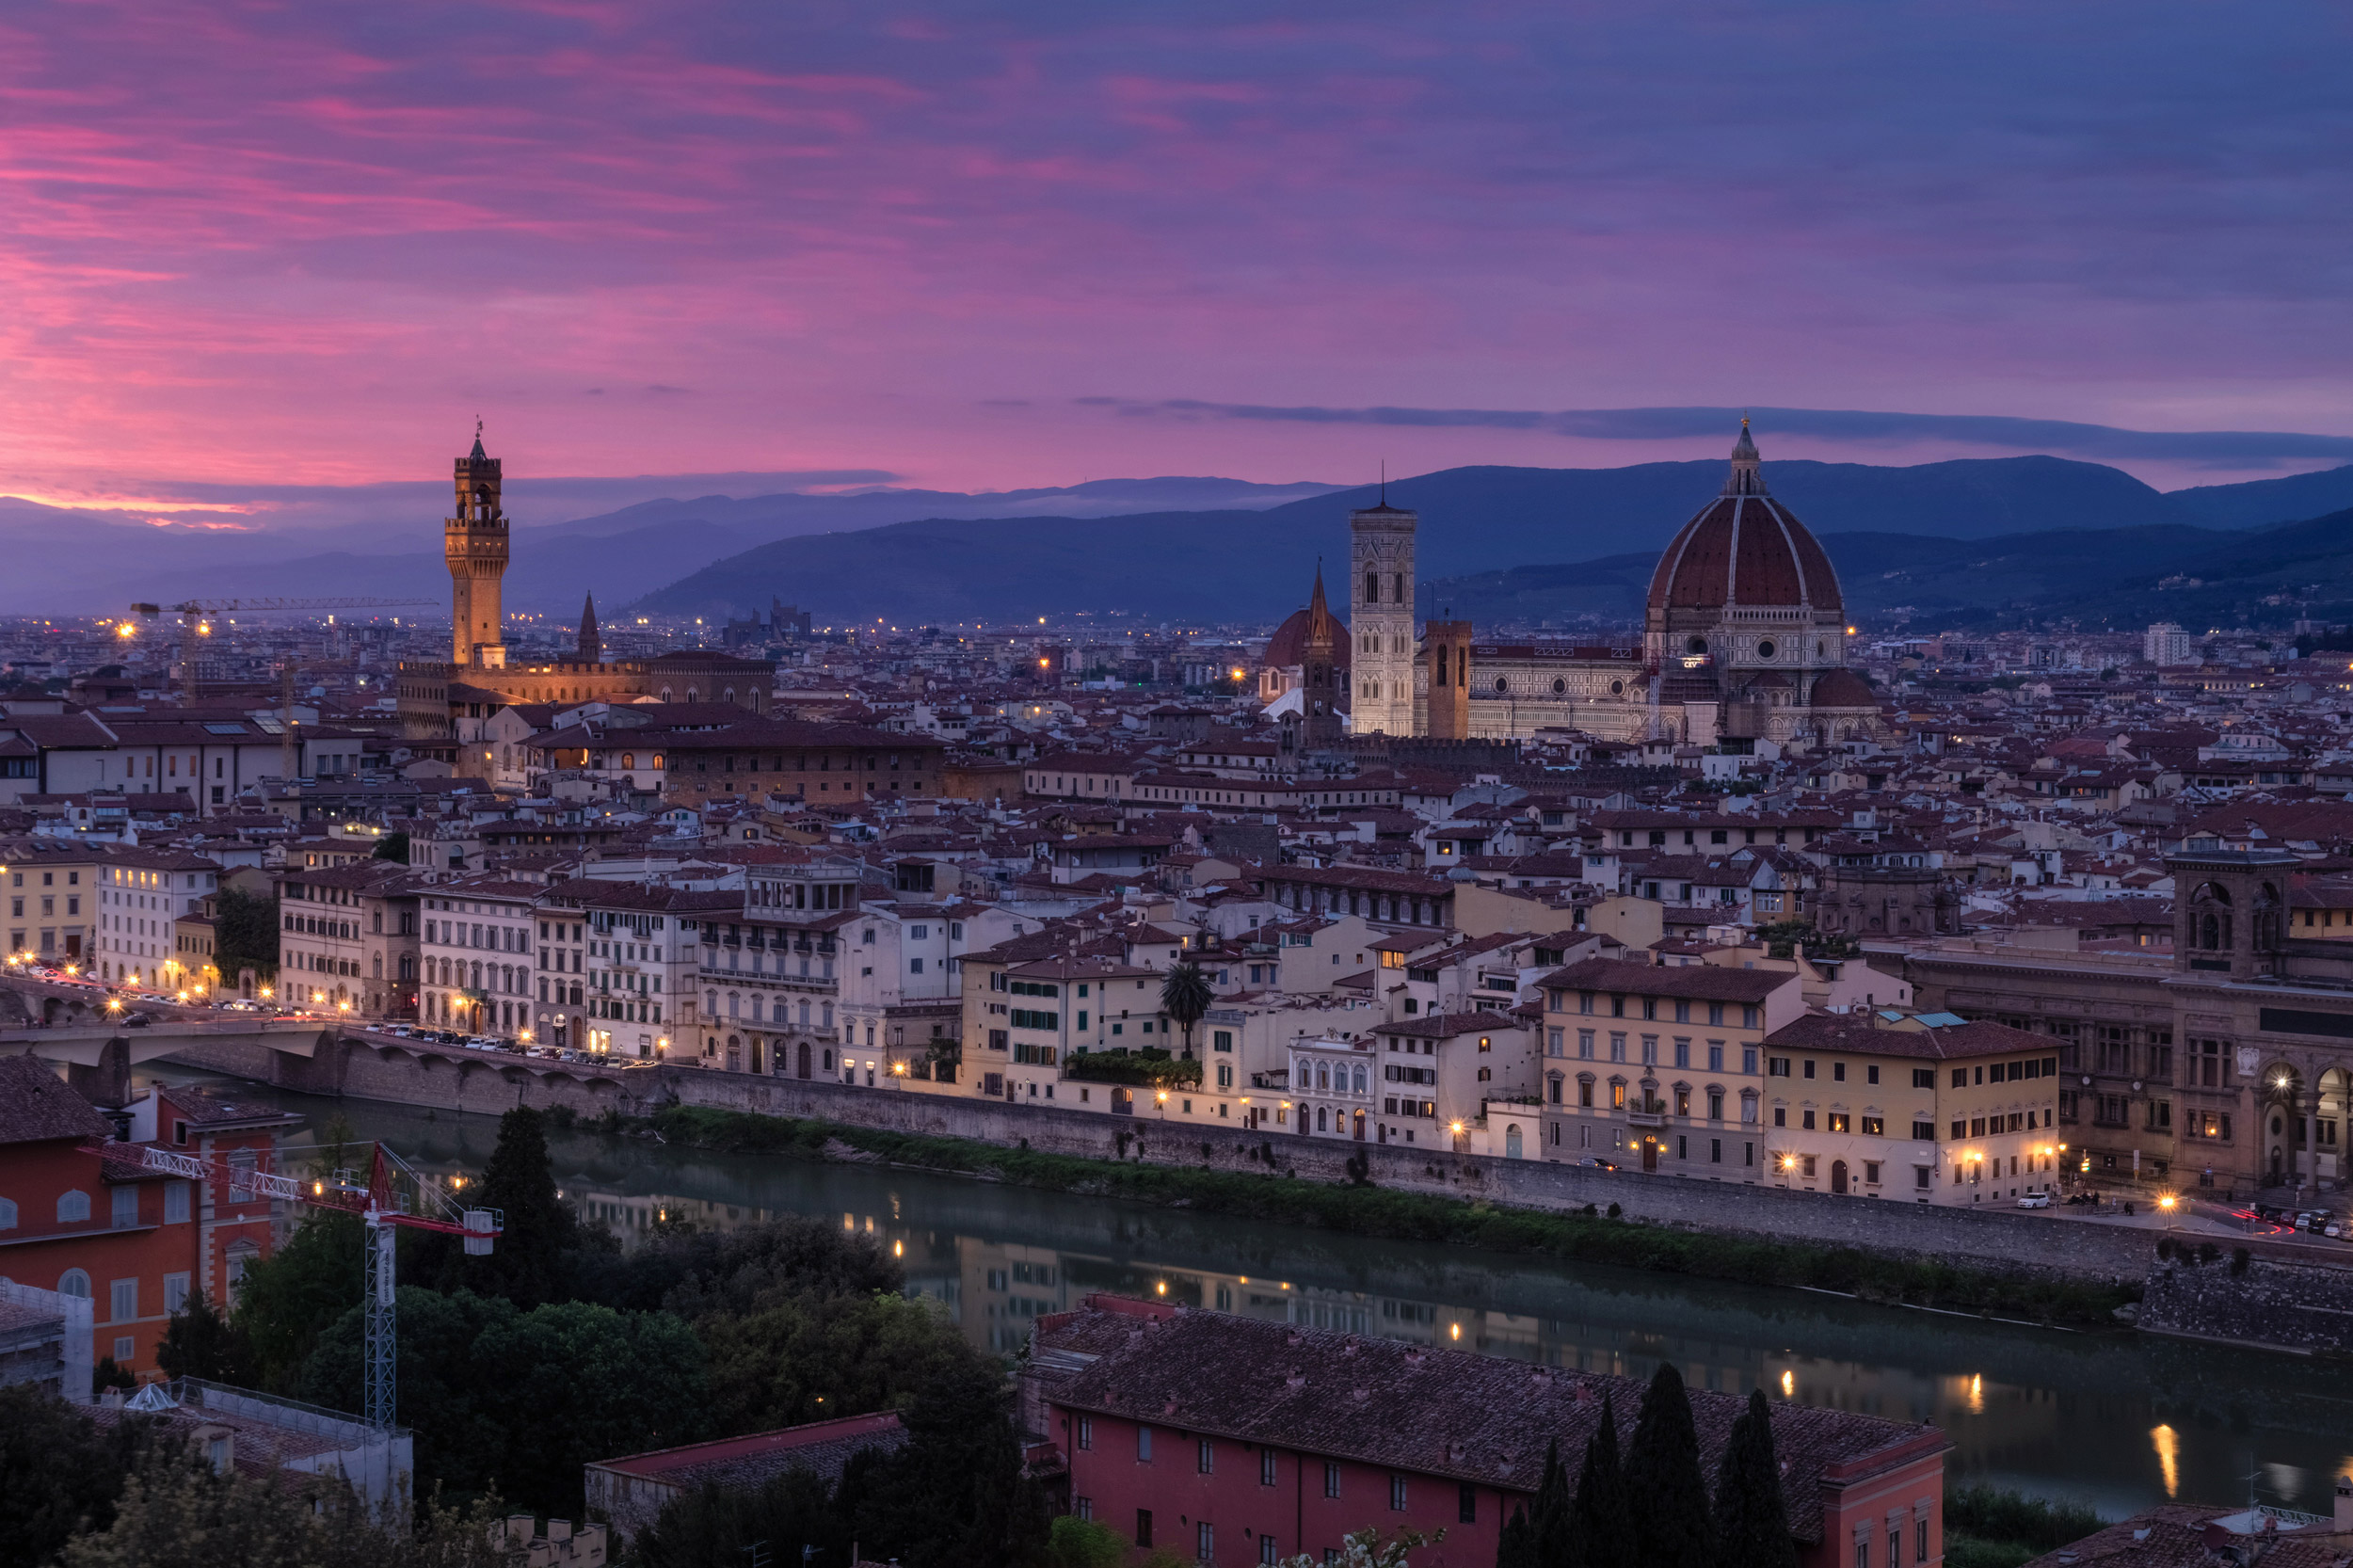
{"points": [[2277, 1305], [447, 1077]]}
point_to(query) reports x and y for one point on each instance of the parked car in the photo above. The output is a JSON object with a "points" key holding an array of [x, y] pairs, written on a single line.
{"points": [[1598, 1164], [2034, 1200]]}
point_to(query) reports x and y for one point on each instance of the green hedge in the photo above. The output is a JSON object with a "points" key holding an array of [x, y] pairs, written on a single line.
{"points": [[1369, 1211]]}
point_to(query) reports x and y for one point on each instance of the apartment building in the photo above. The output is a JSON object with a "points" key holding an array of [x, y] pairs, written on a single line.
{"points": [[1227, 1439], [141, 893], [1928, 1108], [135, 1247], [900, 998], [1437, 1073], [620, 965], [348, 939], [476, 956], [51, 892], [1661, 1064]]}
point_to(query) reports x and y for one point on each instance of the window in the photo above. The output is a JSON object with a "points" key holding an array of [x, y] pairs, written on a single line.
{"points": [[1777, 1066], [1144, 1526], [1143, 1444], [1204, 1542], [1924, 1078], [175, 1292], [1085, 1506], [1266, 1466], [1870, 1173], [1331, 1473], [1206, 1460], [74, 1282], [1961, 1077], [1396, 1494], [1839, 1121], [1267, 1553], [7, 1214], [1467, 1507], [72, 1207], [1086, 1432], [1924, 1131], [122, 1301], [1874, 1127], [126, 1207]]}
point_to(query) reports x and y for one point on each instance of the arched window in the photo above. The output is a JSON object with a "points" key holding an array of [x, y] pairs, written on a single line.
{"points": [[629, 760], [72, 1209], [657, 762], [1357, 1081], [1442, 675], [73, 1283]]}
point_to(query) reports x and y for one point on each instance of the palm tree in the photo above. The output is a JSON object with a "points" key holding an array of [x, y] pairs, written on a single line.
{"points": [[1185, 996]]}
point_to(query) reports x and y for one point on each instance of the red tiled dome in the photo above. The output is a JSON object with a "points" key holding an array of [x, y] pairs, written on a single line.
{"points": [[1744, 548], [1288, 645], [1844, 689]]}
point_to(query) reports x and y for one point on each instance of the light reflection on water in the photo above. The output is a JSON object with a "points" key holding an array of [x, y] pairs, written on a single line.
{"points": [[2119, 1421]]}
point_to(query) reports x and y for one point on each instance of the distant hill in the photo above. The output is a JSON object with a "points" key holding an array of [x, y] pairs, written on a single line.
{"points": [[2260, 502], [1221, 566], [2118, 577]]}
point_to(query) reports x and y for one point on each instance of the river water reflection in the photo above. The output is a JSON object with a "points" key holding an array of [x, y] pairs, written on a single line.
{"points": [[2120, 1421]]}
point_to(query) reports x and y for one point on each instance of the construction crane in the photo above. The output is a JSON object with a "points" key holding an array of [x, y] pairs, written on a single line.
{"points": [[395, 1195], [221, 606]]}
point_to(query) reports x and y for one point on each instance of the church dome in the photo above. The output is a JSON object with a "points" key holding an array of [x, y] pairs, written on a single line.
{"points": [[1744, 548], [1844, 689], [1288, 645]]}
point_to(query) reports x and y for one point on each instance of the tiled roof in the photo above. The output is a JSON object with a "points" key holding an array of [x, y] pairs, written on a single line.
{"points": [[1701, 981], [1860, 1033], [35, 1106]]}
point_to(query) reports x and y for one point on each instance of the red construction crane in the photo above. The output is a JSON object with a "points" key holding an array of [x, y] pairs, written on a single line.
{"points": [[396, 1194]]}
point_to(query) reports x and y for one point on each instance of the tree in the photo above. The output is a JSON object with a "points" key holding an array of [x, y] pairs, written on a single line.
{"points": [[1367, 1548], [1515, 1544], [533, 1261], [1671, 1526], [1604, 1514], [807, 1357], [245, 934], [1552, 1521], [59, 1471], [1076, 1543], [178, 1512], [1752, 1522], [788, 1512], [699, 1273], [522, 1401], [1185, 996], [292, 1297], [199, 1342], [954, 1494], [394, 847]]}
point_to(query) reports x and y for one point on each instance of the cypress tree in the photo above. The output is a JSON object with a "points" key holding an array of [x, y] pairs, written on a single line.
{"points": [[1674, 1526], [1752, 1525], [1551, 1526], [1516, 1546], [1605, 1518]]}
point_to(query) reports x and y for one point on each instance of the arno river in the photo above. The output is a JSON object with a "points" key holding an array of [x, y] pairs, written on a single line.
{"points": [[2113, 1420]]}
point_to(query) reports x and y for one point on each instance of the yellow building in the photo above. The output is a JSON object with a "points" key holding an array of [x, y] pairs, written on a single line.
{"points": [[1925, 1107], [1661, 1065]]}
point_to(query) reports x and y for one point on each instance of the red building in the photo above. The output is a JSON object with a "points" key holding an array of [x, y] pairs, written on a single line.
{"points": [[136, 1244], [1234, 1441]]}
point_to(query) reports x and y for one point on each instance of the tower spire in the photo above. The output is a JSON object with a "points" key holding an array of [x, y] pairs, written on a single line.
{"points": [[591, 644]]}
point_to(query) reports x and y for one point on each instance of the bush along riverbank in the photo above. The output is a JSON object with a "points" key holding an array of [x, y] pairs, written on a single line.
{"points": [[1363, 1209], [1985, 1528]]}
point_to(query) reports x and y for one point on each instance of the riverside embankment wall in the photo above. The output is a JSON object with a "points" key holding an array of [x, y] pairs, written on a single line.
{"points": [[410, 1073]]}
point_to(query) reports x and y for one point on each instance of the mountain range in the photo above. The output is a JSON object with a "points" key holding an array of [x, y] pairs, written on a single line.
{"points": [[1477, 523], [1978, 537]]}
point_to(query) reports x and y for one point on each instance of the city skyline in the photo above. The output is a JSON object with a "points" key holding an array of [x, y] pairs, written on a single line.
{"points": [[981, 253]]}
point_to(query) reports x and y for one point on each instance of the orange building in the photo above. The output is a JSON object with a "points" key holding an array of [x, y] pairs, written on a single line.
{"points": [[135, 1245]]}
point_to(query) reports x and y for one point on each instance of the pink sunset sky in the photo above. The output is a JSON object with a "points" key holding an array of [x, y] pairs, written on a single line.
{"points": [[976, 246]]}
